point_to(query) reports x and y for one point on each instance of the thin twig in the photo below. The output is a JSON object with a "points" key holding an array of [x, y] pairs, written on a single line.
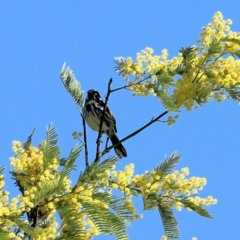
{"points": [[101, 122], [85, 140], [153, 120], [127, 86], [107, 142]]}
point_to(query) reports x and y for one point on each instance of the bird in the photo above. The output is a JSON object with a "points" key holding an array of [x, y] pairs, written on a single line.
{"points": [[92, 113]]}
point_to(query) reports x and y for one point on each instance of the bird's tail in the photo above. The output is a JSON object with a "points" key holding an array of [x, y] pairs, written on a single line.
{"points": [[119, 149]]}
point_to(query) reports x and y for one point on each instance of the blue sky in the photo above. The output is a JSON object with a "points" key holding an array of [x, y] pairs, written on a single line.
{"points": [[37, 37]]}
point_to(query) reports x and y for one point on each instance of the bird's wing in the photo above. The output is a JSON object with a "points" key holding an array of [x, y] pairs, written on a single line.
{"points": [[108, 116]]}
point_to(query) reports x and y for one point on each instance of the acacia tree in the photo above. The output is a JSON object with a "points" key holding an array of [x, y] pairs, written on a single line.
{"points": [[90, 206]]}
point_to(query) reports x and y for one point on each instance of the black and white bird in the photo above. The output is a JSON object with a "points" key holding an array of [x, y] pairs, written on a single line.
{"points": [[92, 113]]}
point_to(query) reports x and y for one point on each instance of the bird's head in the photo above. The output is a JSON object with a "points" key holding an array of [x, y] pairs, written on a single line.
{"points": [[93, 94]]}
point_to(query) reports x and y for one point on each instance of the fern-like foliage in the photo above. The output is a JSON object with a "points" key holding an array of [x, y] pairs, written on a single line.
{"points": [[4, 235], [150, 201], [196, 208], [1, 170], [167, 101], [234, 93], [46, 190], [119, 62], [188, 54], [163, 79], [22, 225], [115, 204], [167, 166], [55, 186], [72, 85], [110, 217], [106, 221], [49, 148], [237, 53], [154, 200], [202, 96], [170, 224], [215, 47], [233, 40], [69, 163], [97, 168], [71, 228]]}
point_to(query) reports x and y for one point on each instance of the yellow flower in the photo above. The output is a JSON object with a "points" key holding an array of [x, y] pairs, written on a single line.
{"points": [[12, 235], [149, 50]]}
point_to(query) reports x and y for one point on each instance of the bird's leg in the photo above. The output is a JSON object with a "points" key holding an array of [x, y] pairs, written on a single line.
{"points": [[107, 142], [98, 141]]}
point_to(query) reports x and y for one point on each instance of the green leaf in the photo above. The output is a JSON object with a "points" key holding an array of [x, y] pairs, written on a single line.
{"points": [[167, 101], [215, 47], [22, 225], [69, 163], [4, 235], [170, 224], [120, 61], [46, 190], [106, 221], [72, 85], [188, 53], [202, 95], [163, 79], [168, 164], [17, 183], [198, 209], [1, 170], [70, 229], [237, 53], [234, 93], [115, 204], [97, 168], [49, 148], [233, 40], [150, 201]]}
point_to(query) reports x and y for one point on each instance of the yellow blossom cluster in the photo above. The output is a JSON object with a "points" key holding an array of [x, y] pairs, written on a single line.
{"points": [[171, 120], [4, 197], [121, 179], [8, 209], [173, 188], [114, 180], [30, 162], [200, 73], [209, 74], [30, 170], [145, 62], [217, 30], [32, 173], [226, 72]]}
